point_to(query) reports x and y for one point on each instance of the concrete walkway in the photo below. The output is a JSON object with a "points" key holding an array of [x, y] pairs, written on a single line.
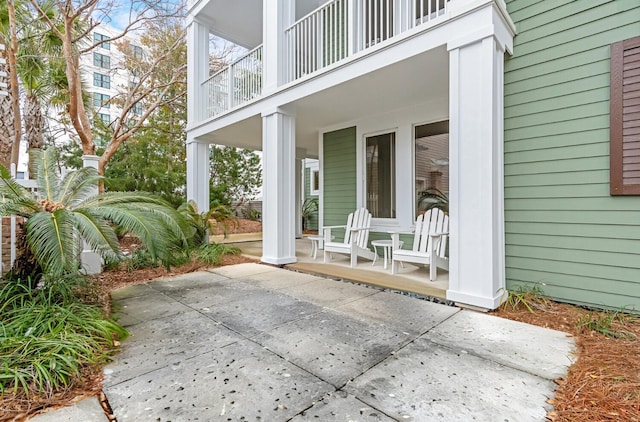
{"points": [[256, 343]]}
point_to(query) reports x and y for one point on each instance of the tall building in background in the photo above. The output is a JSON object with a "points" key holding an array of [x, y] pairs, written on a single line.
{"points": [[106, 74]]}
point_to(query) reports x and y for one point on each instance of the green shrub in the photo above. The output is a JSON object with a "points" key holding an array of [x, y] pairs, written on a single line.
{"points": [[141, 258], [212, 253], [47, 336], [251, 213]]}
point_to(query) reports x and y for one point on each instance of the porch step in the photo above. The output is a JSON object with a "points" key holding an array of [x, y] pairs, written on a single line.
{"points": [[387, 281]]}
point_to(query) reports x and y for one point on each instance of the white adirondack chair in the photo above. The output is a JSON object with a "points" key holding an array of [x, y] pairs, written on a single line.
{"points": [[429, 243], [356, 236]]}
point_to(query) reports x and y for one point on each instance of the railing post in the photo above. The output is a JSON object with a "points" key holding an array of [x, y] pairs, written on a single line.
{"points": [[277, 16], [198, 70], [351, 27], [232, 86]]}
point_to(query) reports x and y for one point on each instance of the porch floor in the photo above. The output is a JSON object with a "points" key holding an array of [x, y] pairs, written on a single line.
{"points": [[411, 278]]}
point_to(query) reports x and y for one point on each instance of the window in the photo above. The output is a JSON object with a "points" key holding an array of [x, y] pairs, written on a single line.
{"points": [[431, 166], [101, 100], [625, 118], [99, 38], [381, 175], [101, 60], [137, 108], [105, 118], [101, 81], [137, 51], [314, 181]]}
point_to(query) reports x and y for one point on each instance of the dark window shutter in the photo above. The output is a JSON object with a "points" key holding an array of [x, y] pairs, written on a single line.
{"points": [[625, 117]]}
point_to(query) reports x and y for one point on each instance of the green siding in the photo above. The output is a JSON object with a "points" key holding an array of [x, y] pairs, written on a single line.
{"points": [[339, 175], [312, 224], [563, 229]]}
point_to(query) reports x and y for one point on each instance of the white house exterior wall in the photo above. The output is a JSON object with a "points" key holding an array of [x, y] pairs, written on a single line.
{"points": [[476, 35]]}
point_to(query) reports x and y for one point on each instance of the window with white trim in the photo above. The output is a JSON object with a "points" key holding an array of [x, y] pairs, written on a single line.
{"points": [[431, 166], [380, 153]]}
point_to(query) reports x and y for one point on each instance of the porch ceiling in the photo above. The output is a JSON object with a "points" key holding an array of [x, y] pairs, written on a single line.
{"points": [[419, 80], [237, 21], [241, 21]]}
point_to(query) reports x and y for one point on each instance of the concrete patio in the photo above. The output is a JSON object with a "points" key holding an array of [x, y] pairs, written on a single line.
{"points": [[255, 342]]}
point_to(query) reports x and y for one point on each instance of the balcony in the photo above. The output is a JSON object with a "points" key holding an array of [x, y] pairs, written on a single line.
{"points": [[336, 31]]}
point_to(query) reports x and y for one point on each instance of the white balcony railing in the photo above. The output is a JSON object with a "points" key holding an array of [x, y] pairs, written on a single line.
{"points": [[335, 31], [341, 28], [234, 85]]}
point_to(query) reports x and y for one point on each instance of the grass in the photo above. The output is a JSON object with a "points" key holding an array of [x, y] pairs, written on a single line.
{"points": [[212, 253], [47, 336], [608, 323], [529, 296]]}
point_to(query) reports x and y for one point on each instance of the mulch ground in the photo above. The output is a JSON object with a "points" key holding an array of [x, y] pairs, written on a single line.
{"points": [[602, 385], [604, 382]]}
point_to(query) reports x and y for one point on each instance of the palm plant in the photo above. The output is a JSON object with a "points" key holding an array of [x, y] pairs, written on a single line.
{"points": [[309, 209], [69, 208], [433, 198], [199, 221]]}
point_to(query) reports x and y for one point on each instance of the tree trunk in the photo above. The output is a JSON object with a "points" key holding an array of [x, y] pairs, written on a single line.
{"points": [[25, 268], [7, 131], [34, 127], [12, 53]]}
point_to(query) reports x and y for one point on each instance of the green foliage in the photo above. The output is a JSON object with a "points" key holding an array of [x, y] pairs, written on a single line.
{"points": [[251, 213], [212, 253], [608, 323], [69, 208], [236, 174], [433, 198], [529, 296], [47, 336], [199, 222], [309, 209], [139, 259], [154, 160]]}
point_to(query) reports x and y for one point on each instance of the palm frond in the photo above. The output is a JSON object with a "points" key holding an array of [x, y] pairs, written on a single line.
{"points": [[117, 198], [22, 207], [98, 233], [51, 239], [48, 178], [9, 188], [78, 185]]}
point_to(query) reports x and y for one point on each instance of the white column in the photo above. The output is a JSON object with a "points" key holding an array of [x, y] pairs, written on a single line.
{"points": [[197, 70], [299, 187], [477, 267], [277, 16], [198, 173], [278, 191], [90, 260]]}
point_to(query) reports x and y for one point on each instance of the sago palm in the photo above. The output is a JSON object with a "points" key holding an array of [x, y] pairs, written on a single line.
{"points": [[67, 209]]}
